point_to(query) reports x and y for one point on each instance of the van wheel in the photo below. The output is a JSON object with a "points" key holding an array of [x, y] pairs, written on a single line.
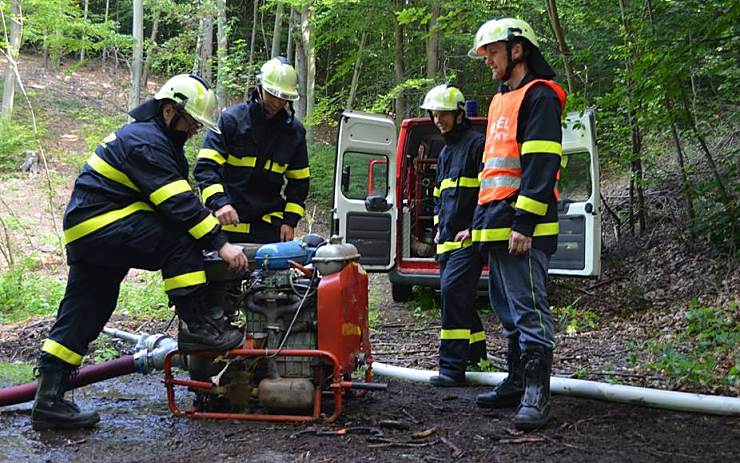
{"points": [[401, 293]]}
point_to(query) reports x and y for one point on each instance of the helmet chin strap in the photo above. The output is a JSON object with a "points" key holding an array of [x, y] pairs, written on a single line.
{"points": [[510, 62]]}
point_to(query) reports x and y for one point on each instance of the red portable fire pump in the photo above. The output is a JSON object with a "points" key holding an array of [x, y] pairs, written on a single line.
{"points": [[304, 306]]}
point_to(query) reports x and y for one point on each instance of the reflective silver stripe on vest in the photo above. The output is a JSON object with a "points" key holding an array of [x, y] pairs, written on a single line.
{"points": [[500, 180], [503, 163]]}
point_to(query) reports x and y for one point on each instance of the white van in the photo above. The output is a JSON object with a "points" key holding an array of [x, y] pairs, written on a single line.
{"points": [[388, 213]]}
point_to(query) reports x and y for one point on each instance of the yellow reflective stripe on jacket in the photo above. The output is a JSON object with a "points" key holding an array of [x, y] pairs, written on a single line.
{"points": [[477, 337], [246, 161], [528, 204], [268, 217], [503, 234], [465, 182], [295, 208], [211, 190], [185, 280], [454, 334], [276, 167], [164, 193], [436, 219], [238, 228], [59, 351], [203, 227], [298, 174], [213, 155], [437, 192], [90, 225], [453, 245], [108, 171], [542, 146]]}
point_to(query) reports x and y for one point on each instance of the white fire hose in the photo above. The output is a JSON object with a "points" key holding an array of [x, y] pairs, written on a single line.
{"points": [[656, 398]]}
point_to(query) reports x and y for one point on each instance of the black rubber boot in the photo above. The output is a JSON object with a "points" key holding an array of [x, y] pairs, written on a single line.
{"points": [[204, 327], [509, 392], [51, 410], [442, 380], [534, 410]]}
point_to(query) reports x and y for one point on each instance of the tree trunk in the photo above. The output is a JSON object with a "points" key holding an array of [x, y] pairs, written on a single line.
{"points": [[137, 58], [433, 42], [310, 52], [685, 186], [222, 54], [277, 31], [84, 15], [105, 20], [552, 12], [250, 65], [13, 46], [726, 197], [291, 23], [207, 50], [356, 73], [398, 64], [636, 177], [198, 48], [300, 67], [150, 51]]}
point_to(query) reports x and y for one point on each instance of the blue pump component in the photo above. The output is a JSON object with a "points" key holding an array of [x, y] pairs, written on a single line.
{"points": [[277, 256]]}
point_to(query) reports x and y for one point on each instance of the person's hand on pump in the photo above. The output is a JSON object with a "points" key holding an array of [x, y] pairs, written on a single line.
{"points": [[227, 215], [286, 232], [234, 257]]}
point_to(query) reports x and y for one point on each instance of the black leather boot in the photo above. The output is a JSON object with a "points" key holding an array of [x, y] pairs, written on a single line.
{"points": [[509, 392], [534, 410], [204, 327], [50, 409]]}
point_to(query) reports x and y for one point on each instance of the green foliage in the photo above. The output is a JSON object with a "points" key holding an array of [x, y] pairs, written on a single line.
{"points": [[321, 158], [103, 349], [26, 291], [572, 319], [383, 103], [15, 138], [701, 354], [425, 303], [15, 373]]}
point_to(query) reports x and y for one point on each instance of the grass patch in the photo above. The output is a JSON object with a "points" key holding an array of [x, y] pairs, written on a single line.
{"points": [[321, 159], [701, 353], [26, 291], [570, 319], [15, 139], [425, 303], [15, 373]]}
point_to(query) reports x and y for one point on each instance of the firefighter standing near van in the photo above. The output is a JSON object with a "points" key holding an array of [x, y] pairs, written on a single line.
{"points": [[462, 339], [132, 207], [516, 221], [260, 147]]}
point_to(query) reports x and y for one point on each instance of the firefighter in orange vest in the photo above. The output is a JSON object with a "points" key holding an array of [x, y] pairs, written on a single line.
{"points": [[516, 220], [462, 339]]}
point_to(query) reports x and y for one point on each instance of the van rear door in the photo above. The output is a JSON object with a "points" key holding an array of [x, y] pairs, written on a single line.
{"points": [[579, 241], [365, 211]]}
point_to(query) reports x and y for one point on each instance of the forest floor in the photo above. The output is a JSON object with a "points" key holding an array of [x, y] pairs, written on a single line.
{"points": [[644, 294]]}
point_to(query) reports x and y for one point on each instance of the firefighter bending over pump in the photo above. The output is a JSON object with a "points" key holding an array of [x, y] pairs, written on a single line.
{"points": [[132, 207], [261, 145]]}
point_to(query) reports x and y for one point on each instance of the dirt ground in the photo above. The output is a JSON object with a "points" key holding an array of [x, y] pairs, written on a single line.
{"points": [[418, 422]]}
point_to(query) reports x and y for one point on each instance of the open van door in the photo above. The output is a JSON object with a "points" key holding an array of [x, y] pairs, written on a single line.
{"points": [[579, 241], [365, 209]]}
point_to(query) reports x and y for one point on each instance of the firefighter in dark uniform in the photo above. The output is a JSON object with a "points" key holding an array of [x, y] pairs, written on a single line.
{"points": [[254, 174], [516, 221], [462, 339], [132, 207]]}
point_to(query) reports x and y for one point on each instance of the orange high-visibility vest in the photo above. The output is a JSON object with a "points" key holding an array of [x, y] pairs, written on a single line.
{"points": [[502, 171]]}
